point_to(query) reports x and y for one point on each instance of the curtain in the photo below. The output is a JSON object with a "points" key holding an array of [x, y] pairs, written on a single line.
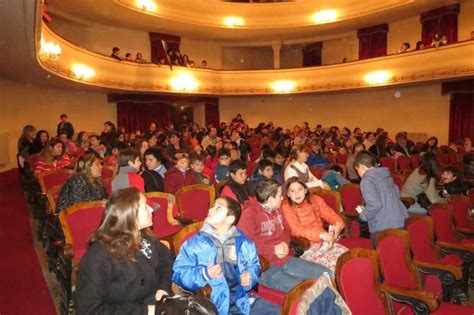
{"points": [[138, 116], [461, 116], [212, 114], [443, 20], [372, 41], [158, 51], [312, 54]]}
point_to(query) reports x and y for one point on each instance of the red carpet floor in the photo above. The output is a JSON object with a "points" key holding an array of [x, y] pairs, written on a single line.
{"points": [[23, 289]]}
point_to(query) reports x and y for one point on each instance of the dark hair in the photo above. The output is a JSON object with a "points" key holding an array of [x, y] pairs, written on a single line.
{"points": [[233, 208], [45, 153], [336, 168], [196, 158], [128, 54], [115, 49], [62, 133], [38, 135], [25, 134], [265, 189], [79, 139], [419, 44], [110, 124], [268, 154], [429, 166], [211, 150], [155, 152], [127, 155], [453, 170], [264, 163], [118, 231], [279, 151], [63, 116], [223, 152], [365, 158], [236, 165], [293, 180]]}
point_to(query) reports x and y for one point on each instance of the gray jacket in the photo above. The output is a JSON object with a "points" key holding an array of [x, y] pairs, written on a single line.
{"points": [[416, 184], [383, 208]]}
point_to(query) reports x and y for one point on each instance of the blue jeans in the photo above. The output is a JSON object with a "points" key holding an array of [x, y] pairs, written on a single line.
{"points": [[416, 209], [262, 307], [284, 278]]}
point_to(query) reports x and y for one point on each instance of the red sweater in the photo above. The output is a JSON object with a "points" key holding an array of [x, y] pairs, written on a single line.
{"points": [[267, 229], [175, 179]]}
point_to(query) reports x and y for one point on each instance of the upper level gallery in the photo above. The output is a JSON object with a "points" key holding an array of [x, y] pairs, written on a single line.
{"points": [[79, 50]]}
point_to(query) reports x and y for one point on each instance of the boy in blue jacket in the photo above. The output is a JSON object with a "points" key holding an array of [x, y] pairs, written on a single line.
{"points": [[221, 256], [383, 208]]}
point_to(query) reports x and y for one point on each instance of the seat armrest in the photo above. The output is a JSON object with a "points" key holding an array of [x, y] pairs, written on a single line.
{"points": [[185, 221], [455, 246], [465, 232], [448, 274], [407, 200], [420, 301], [264, 264], [299, 245]]}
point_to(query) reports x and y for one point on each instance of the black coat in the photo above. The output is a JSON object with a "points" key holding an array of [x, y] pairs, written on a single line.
{"points": [[153, 181], [109, 285]]}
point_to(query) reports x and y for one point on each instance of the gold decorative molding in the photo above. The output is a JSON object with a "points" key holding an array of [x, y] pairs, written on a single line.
{"points": [[432, 64]]}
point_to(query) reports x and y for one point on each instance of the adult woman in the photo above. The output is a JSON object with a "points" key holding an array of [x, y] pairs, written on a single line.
{"points": [[96, 146], [126, 269], [297, 167], [304, 213], [431, 145], [109, 135], [25, 140], [82, 140], [85, 184], [420, 185], [39, 142], [379, 149], [284, 144], [52, 157]]}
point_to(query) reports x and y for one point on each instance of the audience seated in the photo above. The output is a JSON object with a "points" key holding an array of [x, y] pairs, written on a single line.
{"points": [[52, 157], [221, 172], [305, 214], [212, 257], [452, 183], [238, 188], [129, 163], [154, 171], [69, 145], [116, 53], [39, 142], [297, 167], [179, 175], [126, 269], [263, 222], [197, 166]]}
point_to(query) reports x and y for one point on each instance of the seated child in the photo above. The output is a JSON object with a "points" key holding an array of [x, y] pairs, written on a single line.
{"points": [[179, 175], [197, 166], [222, 168], [154, 169], [265, 170], [129, 163], [238, 188], [452, 183]]}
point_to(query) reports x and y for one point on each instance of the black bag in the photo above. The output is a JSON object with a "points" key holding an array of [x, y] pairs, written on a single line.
{"points": [[185, 305], [423, 200]]}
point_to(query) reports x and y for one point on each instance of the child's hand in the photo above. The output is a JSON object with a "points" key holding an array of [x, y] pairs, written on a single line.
{"points": [[360, 209]]}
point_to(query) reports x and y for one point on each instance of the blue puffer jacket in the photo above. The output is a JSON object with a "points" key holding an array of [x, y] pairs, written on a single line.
{"points": [[383, 208], [190, 270]]}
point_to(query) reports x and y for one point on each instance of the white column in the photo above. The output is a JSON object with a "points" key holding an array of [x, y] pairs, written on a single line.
{"points": [[276, 56]]}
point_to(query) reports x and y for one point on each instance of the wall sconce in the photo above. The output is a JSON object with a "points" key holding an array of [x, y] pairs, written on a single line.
{"points": [[147, 5], [49, 50], [378, 77], [184, 82], [233, 21], [325, 16], [82, 72], [284, 86]]}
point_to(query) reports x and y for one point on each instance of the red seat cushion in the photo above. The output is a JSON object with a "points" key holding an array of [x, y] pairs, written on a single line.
{"points": [[355, 242]]}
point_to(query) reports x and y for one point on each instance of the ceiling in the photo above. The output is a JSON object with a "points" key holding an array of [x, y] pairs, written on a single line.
{"points": [[203, 19]]}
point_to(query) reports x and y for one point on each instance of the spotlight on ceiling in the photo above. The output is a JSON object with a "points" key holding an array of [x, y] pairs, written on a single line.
{"points": [[283, 86], [378, 77], [233, 21], [325, 16], [147, 5]]}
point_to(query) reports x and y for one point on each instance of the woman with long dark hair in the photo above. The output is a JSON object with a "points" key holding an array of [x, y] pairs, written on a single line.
{"points": [[52, 157], [126, 269], [431, 145], [421, 185], [25, 140], [40, 141]]}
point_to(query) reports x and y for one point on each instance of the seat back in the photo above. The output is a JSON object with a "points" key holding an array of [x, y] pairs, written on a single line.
{"points": [[461, 208], [399, 180], [415, 160], [404, 163], [49, 179], [351, 197], [78, 223], [164, 223], [420, 229], [442, 223], [470, 194], [454, 158], [389, 163], [395, 261], [53, 195], [186, 233], [108, 172], [357, 277], [317, 171], [293, 297], [341, 159], [443, 159], [194, 201], [331, 198]]}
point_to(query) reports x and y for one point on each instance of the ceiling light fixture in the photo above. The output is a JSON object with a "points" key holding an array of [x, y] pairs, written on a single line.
{"points": [[325, 16], [284, 86], [378, 77], [49, 50], [184, 82], [147, 5], [82, 71], [233, 21]]}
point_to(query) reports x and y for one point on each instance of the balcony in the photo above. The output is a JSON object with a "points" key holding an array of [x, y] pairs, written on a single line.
{"points": [[87, 67]]}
